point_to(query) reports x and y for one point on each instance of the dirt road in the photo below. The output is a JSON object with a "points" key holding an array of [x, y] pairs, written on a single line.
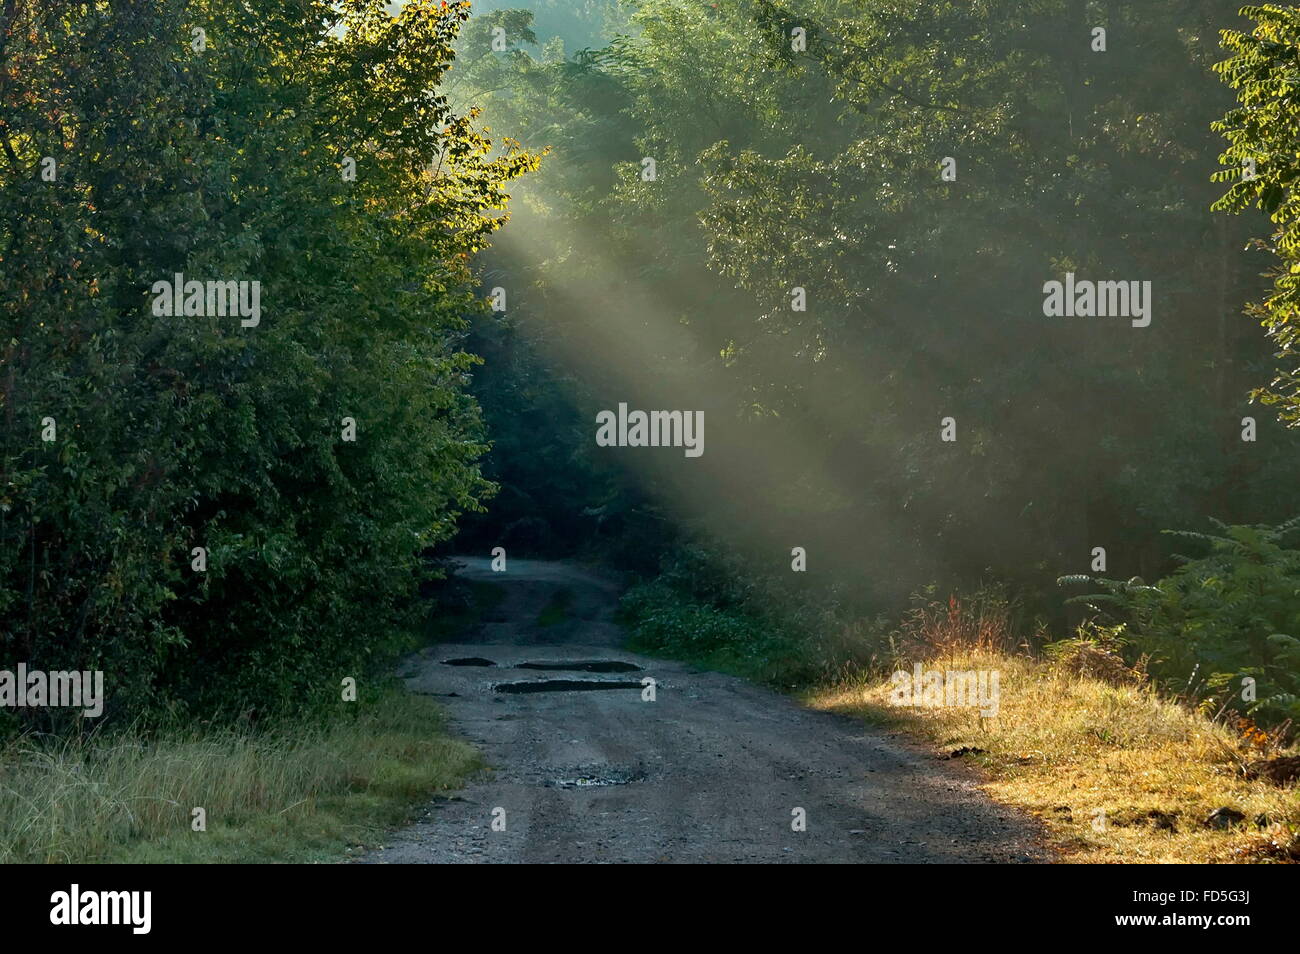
{"points": [[712, 770]]}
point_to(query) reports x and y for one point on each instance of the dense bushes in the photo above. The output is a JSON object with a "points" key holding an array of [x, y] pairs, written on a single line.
{"points": [[223, 156]]}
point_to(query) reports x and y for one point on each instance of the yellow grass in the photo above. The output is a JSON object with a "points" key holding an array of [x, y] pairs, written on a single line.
{"points": [[1092, 761]]}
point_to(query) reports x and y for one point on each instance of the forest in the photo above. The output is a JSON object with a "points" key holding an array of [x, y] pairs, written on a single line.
{"points": [[954, 327], [850, 254]]}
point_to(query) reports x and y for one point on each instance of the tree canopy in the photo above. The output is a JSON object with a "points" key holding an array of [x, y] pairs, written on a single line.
{"points": [[303, 145]]}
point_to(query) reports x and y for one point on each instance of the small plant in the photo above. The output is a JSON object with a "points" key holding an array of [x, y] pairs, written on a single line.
{"points": [[1096, 652], [983, 622]]}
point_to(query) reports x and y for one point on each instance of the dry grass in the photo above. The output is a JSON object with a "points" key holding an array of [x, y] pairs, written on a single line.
{"points": [[300, 792], [982, 622], [1071, 748]]}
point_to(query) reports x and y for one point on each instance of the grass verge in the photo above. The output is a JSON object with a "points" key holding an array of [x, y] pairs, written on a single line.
{"points": [[293, 793], [1115, 773]]}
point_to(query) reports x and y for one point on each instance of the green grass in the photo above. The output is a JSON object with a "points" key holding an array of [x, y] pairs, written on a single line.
{"points": [[293, 793], [664, 621]]}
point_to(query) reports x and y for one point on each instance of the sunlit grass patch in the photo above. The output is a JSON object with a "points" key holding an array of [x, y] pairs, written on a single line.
{"points": [[1116, 773]]}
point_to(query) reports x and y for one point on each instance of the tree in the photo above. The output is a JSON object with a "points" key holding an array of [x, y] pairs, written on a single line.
{"points": [[818, 165], [224, 155], [1263, 132]]}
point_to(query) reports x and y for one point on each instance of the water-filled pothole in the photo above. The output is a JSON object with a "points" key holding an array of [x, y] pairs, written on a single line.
{"points": [[563, 685], [468, 661], [582, 665], [598, 777]]}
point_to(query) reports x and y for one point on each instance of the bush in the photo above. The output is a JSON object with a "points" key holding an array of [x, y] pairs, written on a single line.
{"points": [[707, 606], [1220, 619]]}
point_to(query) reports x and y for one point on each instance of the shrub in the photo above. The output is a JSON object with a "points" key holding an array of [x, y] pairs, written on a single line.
{"points": [[1231, 615], [667, 621]]}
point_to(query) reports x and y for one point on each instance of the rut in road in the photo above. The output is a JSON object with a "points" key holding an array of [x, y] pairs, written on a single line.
{"points": [[712, 770]]}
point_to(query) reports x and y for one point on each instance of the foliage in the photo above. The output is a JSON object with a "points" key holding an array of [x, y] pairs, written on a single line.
{"points": [[1095, 652], [707, 606], [175, 433], [666, 622], [577, 23], [820, 169], [1263, 132], [1220, 618]]}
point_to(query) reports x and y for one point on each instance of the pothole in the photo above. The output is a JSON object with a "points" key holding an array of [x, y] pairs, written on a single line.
{"points": [[597, 777], [563, 685], [582, 665], [468, 661]]}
